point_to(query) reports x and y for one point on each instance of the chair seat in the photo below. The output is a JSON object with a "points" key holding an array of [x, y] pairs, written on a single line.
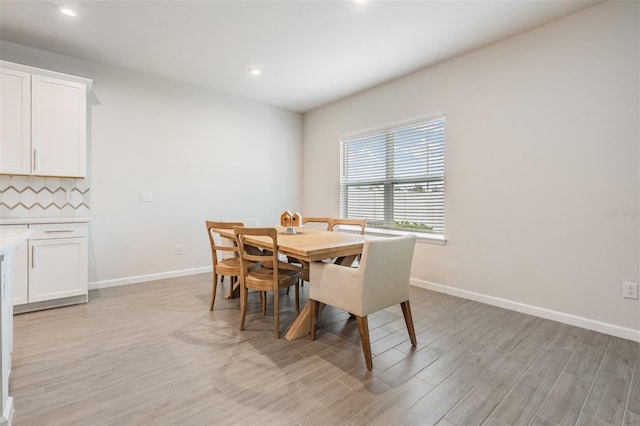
{"points": [[262, 278], [231, 266]]}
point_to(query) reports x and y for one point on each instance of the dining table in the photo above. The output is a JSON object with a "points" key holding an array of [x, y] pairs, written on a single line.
{"points": [[308, 245]]}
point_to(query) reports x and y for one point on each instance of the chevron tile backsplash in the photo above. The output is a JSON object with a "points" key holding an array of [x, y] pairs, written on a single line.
{"points": [[25, 196]]}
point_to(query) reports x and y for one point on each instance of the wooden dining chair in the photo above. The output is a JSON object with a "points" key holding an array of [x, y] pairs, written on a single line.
{"points": [[271, 276], [317, 220], [381, 280], [336, 222], [224, 255]]}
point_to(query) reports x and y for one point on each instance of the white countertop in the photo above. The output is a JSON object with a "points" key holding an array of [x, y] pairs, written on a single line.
{"points": [[30, 220], [10, 239]]}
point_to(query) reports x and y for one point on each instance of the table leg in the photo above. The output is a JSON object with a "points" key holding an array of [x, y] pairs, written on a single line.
{"points": [[346, 260], [302, 325], [234, 290]]}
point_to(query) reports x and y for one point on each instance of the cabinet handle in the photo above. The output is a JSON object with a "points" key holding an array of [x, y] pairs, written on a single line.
{"points": [[33, 257], [35, 159], [53, 231]]}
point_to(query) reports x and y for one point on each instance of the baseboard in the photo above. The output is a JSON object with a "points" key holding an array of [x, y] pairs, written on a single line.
{"points": [[48, 304], [149, 277], [601, 327]]}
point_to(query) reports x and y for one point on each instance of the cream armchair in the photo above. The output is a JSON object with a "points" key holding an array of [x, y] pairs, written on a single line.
{"points": [[381, 280]]}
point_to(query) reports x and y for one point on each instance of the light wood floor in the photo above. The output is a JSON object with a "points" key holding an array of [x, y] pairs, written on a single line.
{"points": [[153, 354]]}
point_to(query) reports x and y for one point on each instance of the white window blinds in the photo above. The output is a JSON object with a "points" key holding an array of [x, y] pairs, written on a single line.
{"points": [[394, 178]]}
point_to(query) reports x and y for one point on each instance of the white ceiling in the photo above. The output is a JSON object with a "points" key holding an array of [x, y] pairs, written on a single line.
{"points": [[311, 52]]}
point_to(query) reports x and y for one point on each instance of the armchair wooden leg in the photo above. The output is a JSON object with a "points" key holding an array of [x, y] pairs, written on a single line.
{"points": [[213, 291], [406, 311], [313, 318], [263, 299], [363, 326]]}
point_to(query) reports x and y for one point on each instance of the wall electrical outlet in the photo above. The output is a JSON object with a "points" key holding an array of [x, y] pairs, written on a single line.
{"points": [[630, 290], [146, 197], [178, 249]]}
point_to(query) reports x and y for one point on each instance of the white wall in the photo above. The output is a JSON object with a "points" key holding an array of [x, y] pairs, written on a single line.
{"points": [[542, 142], [202, 154]]}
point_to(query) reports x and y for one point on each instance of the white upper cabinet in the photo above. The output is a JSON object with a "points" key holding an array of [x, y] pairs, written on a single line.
{"points": [[15, 122], [58, 127], [44, 122]]}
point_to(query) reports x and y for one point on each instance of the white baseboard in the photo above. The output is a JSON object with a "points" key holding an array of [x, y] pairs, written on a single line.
{"points": [[602, 327], [149, 277]]}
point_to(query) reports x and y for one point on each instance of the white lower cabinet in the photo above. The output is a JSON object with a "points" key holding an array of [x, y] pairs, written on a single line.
{"points": [[58, 268], [51, 265], [20, 267]]}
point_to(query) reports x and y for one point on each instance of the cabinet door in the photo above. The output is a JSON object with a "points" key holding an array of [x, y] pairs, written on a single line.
{"points": [[15, 122], [57, 268], [20, 269], [58, 127]]}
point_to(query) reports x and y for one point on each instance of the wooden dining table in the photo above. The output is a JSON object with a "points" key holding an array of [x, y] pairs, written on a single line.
{"points": [[305, 246]]}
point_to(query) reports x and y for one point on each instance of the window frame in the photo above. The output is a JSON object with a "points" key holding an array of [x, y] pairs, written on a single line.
{"points": [[390, 181]]}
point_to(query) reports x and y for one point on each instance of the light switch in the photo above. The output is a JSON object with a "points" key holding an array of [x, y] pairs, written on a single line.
{"points": [[146, 197]]}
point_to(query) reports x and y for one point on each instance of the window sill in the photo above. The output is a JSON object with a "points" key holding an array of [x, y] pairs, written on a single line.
{"points": [[423, 237]]}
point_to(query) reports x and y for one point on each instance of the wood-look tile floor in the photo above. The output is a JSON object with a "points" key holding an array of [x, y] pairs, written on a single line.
{"points": [[153, 354]]}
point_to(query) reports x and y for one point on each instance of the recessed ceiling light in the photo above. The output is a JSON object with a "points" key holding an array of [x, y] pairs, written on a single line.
{"points": [[360, 1], [254, 71], [67, 11]]}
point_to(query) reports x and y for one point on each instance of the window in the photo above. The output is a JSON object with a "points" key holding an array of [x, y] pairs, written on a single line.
{"points": [[394, 178]]}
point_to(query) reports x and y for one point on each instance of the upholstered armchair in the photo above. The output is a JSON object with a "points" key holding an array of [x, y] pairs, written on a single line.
{"points": [[381, 280]]}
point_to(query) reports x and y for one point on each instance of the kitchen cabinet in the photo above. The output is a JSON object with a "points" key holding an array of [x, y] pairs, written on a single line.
{"points": [[20, 267], [15, 116], [57, 261], [9, 241], [51, 268], [44, 118]]}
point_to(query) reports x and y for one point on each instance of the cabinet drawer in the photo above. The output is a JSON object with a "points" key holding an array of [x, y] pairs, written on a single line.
{"points": [[59, 230]]}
